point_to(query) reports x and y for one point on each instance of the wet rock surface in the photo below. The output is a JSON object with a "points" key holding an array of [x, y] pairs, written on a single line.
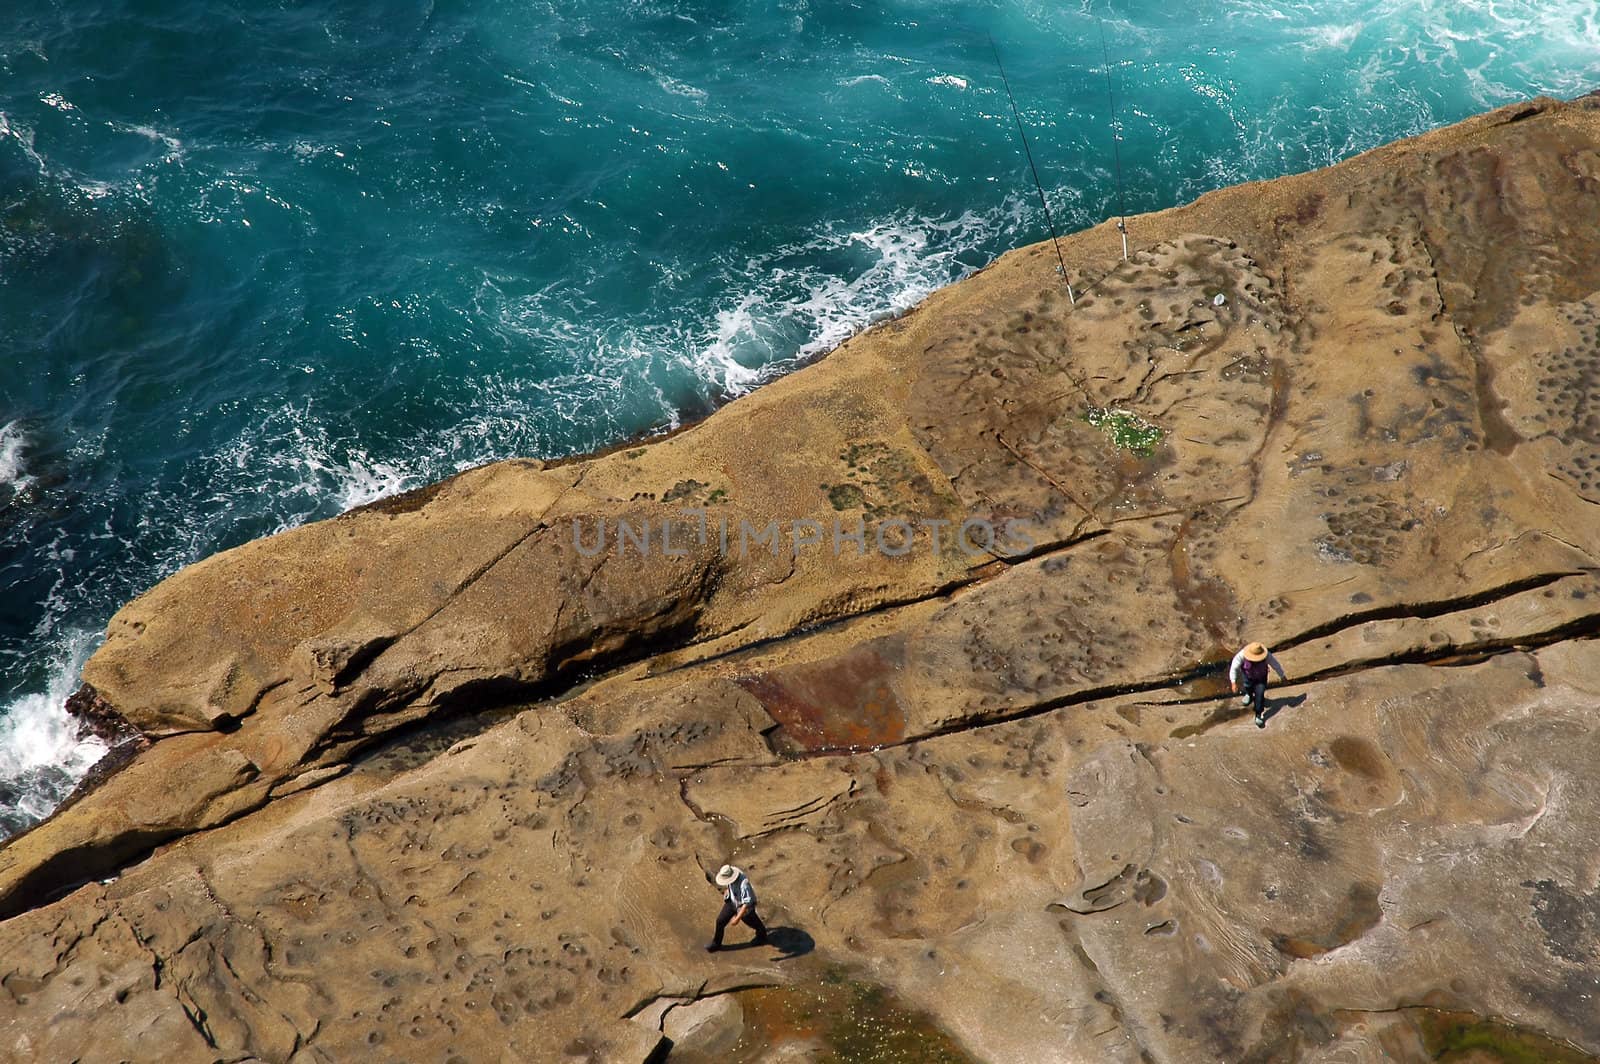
{"points": [[438, 780]]}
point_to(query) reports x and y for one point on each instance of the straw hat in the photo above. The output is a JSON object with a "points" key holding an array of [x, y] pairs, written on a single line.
{"points": [[1255, 652], [727, 874]]}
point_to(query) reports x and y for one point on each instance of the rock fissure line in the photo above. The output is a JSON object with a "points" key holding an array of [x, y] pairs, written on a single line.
{"points": [[1564, 482], [301, 1039], [1106, 996], [1277, 406], [1580, 629], [1429, 609], [689, 997], [1052, 481], [943, 591], [471, 578], [192, 1012], [689, 803], [1497, 432], [65, 953]]}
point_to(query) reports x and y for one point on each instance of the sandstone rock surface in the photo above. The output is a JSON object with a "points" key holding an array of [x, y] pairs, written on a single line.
{"points": [[992, 799]]}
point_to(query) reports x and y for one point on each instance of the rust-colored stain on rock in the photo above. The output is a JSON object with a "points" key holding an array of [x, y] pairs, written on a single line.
{"points": [[841, 703]]}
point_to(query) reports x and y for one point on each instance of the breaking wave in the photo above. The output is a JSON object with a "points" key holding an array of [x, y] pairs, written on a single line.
{"points": [[43, 753]]}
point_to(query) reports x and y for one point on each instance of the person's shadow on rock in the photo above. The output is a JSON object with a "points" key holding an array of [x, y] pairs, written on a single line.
{"points": [[1270, 707], [790, 942]]}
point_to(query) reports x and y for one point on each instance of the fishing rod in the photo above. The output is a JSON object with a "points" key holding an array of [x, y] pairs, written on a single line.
{"points": [[1026, 150], [1116, 140]]}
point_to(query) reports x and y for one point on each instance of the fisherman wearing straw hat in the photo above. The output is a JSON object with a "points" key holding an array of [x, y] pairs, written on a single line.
{"points": [[1253, 661], [738, 906]]}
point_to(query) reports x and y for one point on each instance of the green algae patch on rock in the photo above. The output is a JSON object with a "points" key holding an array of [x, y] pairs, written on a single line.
{"points": [[836, 1020], [846, 497], [1465, 1036], [1126, 430]]}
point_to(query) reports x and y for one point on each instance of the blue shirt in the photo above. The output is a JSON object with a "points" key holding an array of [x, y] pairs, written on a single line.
{"points": [[741, 893]]}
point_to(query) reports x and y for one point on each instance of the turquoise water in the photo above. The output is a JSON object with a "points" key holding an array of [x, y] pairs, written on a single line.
{"points": [[260, 262]]}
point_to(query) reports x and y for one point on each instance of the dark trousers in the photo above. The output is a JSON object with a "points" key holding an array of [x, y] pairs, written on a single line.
{"points": [[750, 918], [1256, 691]]}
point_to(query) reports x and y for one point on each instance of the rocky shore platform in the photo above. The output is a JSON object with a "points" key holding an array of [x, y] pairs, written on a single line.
{"points": [[442, 779]]}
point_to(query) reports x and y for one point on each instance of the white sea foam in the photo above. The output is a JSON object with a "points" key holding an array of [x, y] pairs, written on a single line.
{"points": [[1497, 48], [286, 466], [305, 469], [783, 306], [797, 309], [349, 480], [678, 88], [43, 754], [172, 144], [13, 467], [1331, 36], [22, 136], [93, 189]]}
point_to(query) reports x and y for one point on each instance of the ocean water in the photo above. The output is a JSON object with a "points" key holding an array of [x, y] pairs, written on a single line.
{"points": [[261, 262]]}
